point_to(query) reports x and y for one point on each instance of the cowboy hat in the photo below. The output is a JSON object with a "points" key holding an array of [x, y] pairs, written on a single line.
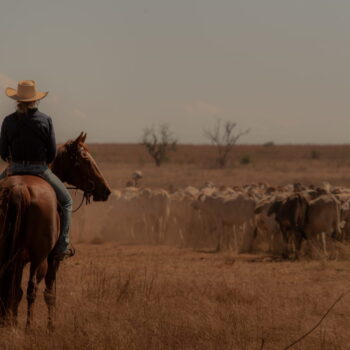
{"points": [[137, 174], [26, 92]]}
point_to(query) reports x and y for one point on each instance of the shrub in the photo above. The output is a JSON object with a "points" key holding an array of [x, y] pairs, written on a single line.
{"points": [[245, 159], [159, 142], [97, 240], [315, 154], [269, 144]]}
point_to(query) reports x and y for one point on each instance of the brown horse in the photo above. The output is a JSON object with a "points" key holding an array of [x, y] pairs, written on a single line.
{"points": [[29, 227]]}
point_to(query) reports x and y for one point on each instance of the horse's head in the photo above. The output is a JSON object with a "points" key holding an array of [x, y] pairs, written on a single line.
{"points": [[75, 165]]}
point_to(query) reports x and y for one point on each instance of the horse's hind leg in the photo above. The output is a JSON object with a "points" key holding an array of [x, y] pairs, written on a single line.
{"points": [[18, 292], [36, 274], [13, 295], [50, 292]]}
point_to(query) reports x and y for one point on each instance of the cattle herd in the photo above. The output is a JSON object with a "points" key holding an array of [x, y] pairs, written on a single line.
{"points": [[283, 221]]}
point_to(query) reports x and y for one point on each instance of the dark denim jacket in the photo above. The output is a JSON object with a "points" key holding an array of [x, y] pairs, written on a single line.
{"points": [[28, 137]]}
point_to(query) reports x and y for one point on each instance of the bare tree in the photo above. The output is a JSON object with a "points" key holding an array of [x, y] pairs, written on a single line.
{"points": [[159, 143], [224, 137]]}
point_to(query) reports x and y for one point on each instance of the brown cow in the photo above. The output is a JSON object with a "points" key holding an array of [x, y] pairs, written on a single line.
{"points": [[291, 214], [307, 215]]}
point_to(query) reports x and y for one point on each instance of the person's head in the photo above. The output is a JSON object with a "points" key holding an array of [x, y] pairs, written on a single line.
{"points": [[23, 107], [26, 95]]}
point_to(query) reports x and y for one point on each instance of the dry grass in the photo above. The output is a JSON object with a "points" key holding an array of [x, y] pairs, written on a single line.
{"points": [[193, 165], [141, 297], [114, 296]]}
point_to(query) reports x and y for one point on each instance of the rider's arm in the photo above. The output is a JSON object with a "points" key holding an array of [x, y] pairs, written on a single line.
{"points": [[51, 146], [4, 144]]}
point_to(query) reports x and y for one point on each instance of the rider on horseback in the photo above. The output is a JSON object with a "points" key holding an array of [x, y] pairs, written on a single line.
{"points": [[27, 143]]}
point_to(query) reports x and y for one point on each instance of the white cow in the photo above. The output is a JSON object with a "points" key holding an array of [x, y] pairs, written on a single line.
{"points": [[231, 218]]}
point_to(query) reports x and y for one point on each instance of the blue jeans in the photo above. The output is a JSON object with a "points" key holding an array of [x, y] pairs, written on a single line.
{"points": [[62, 194]]}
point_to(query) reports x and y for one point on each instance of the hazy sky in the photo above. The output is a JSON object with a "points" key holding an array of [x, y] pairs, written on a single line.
{"points": [[114, 67]]}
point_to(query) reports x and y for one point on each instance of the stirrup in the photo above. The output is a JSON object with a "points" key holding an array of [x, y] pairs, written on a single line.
{"points": [[68, 253]]}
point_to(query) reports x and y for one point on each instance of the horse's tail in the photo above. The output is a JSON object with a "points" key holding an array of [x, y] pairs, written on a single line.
{"points": [[14, 201]]}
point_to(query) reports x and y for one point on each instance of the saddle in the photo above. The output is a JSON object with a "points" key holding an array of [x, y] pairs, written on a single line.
{"points": [[25, 173]]}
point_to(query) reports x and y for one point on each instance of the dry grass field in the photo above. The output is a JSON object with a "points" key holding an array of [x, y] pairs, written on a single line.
{"points": [[193, 165], [117, 296]]}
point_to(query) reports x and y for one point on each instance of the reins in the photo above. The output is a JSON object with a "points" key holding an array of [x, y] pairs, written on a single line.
{"points": [[86, 197]]}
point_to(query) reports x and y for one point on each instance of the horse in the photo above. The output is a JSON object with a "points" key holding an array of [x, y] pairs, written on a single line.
{"points": [[30, 227]]}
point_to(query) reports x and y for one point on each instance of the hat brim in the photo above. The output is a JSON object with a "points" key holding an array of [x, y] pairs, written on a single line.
{"points": [[12, 93]]}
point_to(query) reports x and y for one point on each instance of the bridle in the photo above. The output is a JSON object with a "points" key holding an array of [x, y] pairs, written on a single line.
{"points": [[87, 192], [86, 196]]}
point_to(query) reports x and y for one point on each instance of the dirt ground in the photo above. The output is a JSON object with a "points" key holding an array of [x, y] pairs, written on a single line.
{"points": [[115, 296]]}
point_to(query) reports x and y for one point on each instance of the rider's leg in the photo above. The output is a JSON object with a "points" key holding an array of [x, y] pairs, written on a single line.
{"points": [[3, 174], [66, 202]]}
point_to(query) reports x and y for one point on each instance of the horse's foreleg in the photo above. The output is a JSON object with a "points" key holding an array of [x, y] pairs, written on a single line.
{"points": [[50, 292]]}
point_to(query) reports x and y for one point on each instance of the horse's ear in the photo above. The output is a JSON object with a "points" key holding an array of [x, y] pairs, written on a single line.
{"points": [[79, 138], [83, 138]]}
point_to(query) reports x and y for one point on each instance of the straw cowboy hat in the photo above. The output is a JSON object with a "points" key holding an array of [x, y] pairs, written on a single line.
{"points": [[137, 174], [26, 92]]}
